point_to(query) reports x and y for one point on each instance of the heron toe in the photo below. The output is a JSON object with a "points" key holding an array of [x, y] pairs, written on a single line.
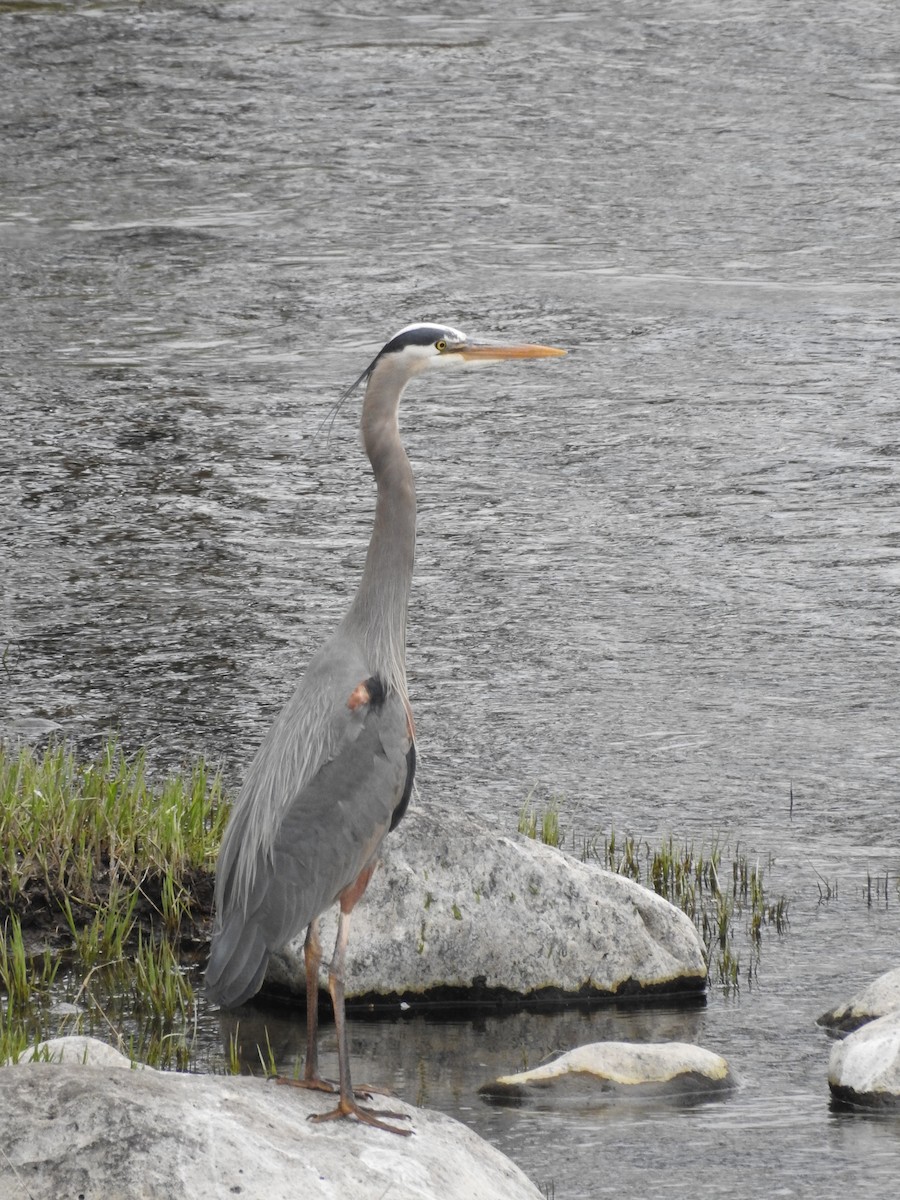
{"points": [[316, 1084], [368, 1116]]}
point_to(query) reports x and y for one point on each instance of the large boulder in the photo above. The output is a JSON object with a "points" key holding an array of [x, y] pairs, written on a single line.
{"points": [[456, 911], [83, 1127], [880, 997], [864, 1069], [605, 1071]]}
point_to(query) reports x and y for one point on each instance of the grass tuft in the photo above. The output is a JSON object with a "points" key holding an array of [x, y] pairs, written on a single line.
{"points": [[544, 826], [84, 838], [105, 880], [697, 879]]}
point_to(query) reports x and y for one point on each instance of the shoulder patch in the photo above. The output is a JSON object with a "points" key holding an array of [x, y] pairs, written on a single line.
{"points": [[370, 691]]}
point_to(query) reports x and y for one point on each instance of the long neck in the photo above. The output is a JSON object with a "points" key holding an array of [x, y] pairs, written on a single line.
{"points": [[378, 613]]}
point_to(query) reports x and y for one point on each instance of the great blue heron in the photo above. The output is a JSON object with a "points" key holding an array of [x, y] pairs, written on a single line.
{"points": [[335, 771]]}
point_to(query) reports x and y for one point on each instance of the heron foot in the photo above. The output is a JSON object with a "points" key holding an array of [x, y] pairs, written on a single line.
{"points": [[368, 1116]]}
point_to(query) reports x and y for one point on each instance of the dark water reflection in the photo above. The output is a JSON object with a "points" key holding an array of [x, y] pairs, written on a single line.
{"points": [[659, 579]]}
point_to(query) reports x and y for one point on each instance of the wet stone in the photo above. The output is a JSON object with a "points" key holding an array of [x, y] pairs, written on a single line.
{"points": [[880, 997], [604, 1072], [864, 1069]]}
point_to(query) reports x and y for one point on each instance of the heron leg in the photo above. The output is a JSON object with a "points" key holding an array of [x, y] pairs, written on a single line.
{"points": [[312, 958], [347, 1105]]}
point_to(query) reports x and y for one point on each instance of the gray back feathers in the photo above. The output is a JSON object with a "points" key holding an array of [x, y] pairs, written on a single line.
{"points": [[317, 802]]}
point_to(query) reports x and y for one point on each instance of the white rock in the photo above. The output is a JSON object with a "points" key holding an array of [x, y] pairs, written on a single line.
{"points": [[882, 996], [591, 1073], [456, 906], [864, 1068], [110, 1134], [79, 1051]]}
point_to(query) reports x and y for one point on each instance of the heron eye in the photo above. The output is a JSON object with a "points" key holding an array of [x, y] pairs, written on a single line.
{"points": [[440, 345]]}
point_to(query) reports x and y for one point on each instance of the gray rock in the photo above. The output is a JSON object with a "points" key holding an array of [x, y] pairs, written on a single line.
{"points": [[864, 1069], [882, 996], [107, 1133], [604, 1071], [458, 909]]}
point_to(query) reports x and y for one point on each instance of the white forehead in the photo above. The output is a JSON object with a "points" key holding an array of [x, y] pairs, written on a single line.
{"points": [[432, 332]]}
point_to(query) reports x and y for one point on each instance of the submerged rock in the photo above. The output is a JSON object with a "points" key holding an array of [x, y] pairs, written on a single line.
{"points": [[30, 731], [864, 1069], [882, 996], [96, 1131], [604, 1071], [456, 911]]}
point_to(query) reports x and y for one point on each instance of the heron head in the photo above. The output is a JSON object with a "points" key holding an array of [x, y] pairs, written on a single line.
{"points": [[442, 345], [419, 347]]}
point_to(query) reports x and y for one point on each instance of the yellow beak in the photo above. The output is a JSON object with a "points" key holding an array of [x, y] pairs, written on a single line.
{"points": [[475, 352]]}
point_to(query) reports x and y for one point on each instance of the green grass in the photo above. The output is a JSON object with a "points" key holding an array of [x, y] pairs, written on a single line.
{"points": [[75, 834], [541, 826], [105, 877], [158, 981]]}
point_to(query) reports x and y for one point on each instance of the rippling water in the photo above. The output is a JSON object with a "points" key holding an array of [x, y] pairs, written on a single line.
{"points": [[658, 579]]}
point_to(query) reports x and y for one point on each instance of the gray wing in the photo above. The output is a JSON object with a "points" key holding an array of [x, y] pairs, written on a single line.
{"points": [[308, 820]]}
